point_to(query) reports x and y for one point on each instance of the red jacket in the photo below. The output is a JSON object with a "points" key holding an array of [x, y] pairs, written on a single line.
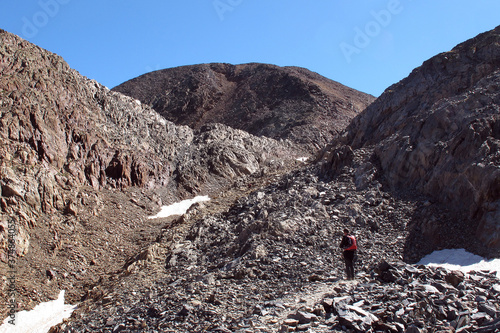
{"points": [[349, 243]]}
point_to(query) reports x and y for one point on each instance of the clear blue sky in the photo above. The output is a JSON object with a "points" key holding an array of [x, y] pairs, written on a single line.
{"points": [[365, 44]]}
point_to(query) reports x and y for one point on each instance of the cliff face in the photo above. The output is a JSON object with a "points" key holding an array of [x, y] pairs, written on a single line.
{"points": [[438, 132], [264, 100], [60, 127], [69, 146]]}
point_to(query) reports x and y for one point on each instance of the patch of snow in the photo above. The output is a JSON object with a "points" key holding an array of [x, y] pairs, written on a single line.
{"points": [[179, 208], [460, 260], [41, 318], [303, 159]]}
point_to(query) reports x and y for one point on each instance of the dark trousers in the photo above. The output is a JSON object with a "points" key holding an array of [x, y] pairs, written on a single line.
{"points": [[349, 263]]}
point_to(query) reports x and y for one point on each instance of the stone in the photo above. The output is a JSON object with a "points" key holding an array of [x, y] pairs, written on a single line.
{"points": [[185, 311], [328, 304], [412, 329], [119, 327], [291, 322], [489, 326], [455, 278], [304, 317], [315, 278], [51, 274], [480, 318], [430, 289], [72, 209], [364, 175], [155, 312], [383, 266], [259, 310], [385, 327], [491, 310], [367, 318]]}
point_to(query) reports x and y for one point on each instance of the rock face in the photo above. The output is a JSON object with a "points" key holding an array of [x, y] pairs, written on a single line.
{"points": [[68, 145], [60, 130], [438, 132], [264, 100]]}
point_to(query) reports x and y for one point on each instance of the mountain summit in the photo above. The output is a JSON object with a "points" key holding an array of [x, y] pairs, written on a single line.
{"points": [[265, 100]]}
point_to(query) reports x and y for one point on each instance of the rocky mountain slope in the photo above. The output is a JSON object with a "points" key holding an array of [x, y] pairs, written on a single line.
{"points": [[265, 100], [438, 132], [81, 167], [262, 255], [269, 261]]}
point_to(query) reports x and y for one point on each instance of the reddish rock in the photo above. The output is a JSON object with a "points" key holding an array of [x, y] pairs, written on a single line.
{"points": [[265, 100]]}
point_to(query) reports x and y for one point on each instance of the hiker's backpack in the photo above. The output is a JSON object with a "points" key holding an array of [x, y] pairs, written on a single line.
{"points": [[352, 243]]}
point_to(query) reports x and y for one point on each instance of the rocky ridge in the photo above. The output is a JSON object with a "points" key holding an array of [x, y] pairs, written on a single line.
{"points": [[265, 100], [76, 158], [437, 132]]}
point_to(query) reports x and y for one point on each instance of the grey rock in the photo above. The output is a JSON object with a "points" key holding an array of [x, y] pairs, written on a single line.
{"points": [[304, 317], [432, 137], [455, 278], [489, 326], [490, 309], [412, 329], [185, 311], [496, 288], [51, 274]]}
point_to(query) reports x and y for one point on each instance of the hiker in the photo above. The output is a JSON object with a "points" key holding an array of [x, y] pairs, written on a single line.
{"points": [[349, 245]]}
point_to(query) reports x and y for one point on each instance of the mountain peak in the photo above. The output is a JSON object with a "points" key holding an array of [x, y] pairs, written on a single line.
{"points": [[265, 100]]}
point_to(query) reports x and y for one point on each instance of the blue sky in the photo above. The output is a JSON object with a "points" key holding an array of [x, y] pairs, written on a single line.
{"points": [[365, 44]]}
